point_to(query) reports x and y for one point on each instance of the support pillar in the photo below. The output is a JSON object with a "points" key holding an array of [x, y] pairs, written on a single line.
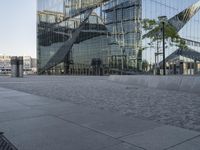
{"points": [[195, 66], [17, 67], [14, 70], [20, 67]]}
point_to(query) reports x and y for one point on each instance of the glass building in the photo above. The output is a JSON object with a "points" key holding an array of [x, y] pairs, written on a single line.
{"points": [[189, 31], [93, 37]]}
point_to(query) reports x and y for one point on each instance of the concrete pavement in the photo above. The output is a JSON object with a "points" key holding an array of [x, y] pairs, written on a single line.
{"points": [[171, 107], [33, 122]]}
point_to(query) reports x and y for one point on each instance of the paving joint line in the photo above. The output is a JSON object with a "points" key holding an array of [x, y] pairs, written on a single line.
{"points": [[190, 139], [24, 118], [123, 143], [140, 132], [99, 132]]}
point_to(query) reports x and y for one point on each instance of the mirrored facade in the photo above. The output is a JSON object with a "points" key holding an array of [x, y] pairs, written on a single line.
{"points": [[108, 41], [104, 36], [186, 19]]}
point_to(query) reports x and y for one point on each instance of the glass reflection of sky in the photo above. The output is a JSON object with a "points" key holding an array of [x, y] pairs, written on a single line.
{"points": [[151, 9], [50, 5], [154, 8]]}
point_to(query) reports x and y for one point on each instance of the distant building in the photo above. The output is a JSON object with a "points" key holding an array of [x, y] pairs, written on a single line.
{"points": [[183, 61], [34, 64], [5, 65], [30, 66]]}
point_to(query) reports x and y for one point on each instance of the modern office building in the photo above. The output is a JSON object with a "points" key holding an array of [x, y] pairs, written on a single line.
{"points": [[105, 36], [184, 15], [108, 40]]}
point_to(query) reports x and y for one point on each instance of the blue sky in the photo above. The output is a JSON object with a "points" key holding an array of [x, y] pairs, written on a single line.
{"points": [[18, 27]]}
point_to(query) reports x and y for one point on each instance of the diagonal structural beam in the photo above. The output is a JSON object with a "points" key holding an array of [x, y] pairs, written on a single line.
{"points": [[60, 55], [83, 10], [179, 21]]}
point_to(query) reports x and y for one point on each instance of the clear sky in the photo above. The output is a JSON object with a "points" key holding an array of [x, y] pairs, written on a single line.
{"points": [[18, 27]]}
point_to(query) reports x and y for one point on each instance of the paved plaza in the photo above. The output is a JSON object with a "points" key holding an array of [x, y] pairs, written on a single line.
{"points": [[94, 113]]}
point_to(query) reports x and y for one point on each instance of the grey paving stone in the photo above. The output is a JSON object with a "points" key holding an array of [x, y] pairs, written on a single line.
{"points": [[20, 114], [193, 144], [3, 89], [109, 123], [33, 100], [64, 108], [12, 93], [7, 105], [168, 107], [17, 127], [160, 138], [175, 108], [50, 133], [122, 146]]}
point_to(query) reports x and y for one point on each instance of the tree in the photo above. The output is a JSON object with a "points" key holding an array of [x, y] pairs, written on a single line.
{"points": [[154, 28]]}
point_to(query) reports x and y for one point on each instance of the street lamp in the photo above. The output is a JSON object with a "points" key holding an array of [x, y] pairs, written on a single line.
{"points": [[163, 20]]}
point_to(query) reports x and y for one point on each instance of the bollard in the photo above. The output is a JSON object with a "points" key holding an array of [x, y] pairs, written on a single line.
{"points": [[17, 67], [20, 67], [14, 68]]}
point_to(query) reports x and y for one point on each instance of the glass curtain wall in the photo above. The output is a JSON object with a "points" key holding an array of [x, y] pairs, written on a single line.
{"points": [[123, 21], [111, 40], [152, 9], [50, 37]]}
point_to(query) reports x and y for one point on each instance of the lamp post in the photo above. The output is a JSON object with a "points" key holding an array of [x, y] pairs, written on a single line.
{"points": [[163, 20]]}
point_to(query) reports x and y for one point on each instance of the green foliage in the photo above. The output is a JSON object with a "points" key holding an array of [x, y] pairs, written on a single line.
{"points": [[148, 24], [154, 33]]}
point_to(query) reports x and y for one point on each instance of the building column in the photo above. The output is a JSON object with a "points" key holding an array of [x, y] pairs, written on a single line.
{"points": [[174, 70], [181, 68], [195, 67]]}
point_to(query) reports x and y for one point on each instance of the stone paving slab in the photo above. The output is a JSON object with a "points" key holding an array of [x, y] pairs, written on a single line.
{"points": [[7, 105], [193, 144], [12, 93], [32, 100], [174, 108], [20, 114], [122, 146], [110, 123], [34, 125], [18, 127], [64, 108], [3, 89], [50, 133], [160, 138]]}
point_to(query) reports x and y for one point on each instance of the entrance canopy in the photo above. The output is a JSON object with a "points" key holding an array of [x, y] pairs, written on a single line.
{"points": [[185, 52]]}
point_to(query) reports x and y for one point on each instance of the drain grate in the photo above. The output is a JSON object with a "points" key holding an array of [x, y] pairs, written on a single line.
{"points": [[5, 144]]}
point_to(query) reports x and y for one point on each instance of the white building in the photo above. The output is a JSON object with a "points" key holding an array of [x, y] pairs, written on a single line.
{"points": [[5, 64], [29, 65]]}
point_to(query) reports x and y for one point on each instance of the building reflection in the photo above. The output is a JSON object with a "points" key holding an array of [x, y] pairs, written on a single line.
{"points": [[110, 41]]}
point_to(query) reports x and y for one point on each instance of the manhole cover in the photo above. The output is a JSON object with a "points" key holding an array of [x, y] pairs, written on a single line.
{"points": [[5, 144]]}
